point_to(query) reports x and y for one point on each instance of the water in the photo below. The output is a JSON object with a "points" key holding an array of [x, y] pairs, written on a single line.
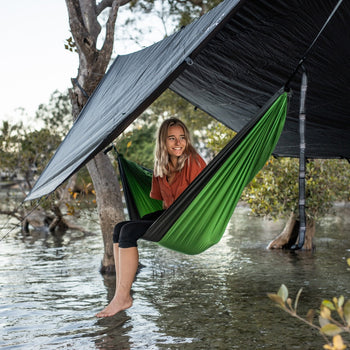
{"points": [[50, 289]]}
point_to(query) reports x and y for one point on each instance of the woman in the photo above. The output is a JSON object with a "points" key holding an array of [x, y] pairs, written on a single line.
{"points": [[176, 165]]}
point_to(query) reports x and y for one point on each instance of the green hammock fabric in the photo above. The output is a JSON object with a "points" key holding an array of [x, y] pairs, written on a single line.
{"points": [[198, 218], [204, 221], [139, 183]]}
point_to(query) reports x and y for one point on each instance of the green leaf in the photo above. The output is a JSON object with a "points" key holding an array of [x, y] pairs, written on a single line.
{"points": [[283, 292], [341, 301], [347, 312], [323, 321], [297, 298], [325, 313], [331, 329], [328, 304], [310, 315], [277, 299]]}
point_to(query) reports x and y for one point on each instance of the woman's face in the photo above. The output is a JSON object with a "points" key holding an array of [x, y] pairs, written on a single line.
{"points": [[176, 141]]}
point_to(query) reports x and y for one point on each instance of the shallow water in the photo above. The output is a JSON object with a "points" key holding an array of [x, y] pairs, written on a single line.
{"points": [[50, 289]]}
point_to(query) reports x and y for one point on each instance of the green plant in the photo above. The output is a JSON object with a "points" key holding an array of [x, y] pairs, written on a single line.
{"points": [[334, 316]]}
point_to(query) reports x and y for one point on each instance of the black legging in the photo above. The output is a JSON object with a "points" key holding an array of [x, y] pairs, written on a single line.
{"points": [[126, 233]]}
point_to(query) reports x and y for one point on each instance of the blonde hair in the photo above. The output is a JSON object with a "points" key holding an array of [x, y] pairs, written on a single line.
{"points": [[161, 156]]}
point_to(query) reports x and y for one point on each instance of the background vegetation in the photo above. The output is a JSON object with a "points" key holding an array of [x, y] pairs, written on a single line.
{"points": [[273, 193]]}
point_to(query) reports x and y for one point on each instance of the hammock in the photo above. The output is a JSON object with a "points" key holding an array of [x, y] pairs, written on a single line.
{"points": [[198, 218], [137, 182]]}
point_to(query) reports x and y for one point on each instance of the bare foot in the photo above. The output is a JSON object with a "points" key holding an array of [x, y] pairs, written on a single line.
{"points": [[115, 306]]}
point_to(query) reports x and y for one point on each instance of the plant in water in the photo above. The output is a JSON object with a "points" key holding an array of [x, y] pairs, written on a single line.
{"points": [[333, 316]]}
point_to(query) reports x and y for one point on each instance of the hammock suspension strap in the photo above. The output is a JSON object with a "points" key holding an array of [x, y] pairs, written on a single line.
{"points": [[302, 164]]}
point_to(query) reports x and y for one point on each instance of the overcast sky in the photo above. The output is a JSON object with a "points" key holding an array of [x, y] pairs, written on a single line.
{"points": [[34, 62]]}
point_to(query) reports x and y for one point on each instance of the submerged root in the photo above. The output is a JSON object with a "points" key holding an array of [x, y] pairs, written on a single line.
{"points": [[289, 236]]}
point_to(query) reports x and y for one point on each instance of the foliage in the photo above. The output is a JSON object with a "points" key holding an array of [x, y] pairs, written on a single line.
{"points": [[166, 17], [137, 143], [8, 149], [70, 45], [184, 11], [274, 192], [25, 151], [218, 136], [188, 11], [56, 114], [334, 316]]}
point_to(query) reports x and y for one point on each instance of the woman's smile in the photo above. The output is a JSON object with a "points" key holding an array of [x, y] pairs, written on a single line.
{"points": [[176, 141]]}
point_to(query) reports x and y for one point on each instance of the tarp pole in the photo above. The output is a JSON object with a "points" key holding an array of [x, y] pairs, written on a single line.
{"points": [[302, 163]]}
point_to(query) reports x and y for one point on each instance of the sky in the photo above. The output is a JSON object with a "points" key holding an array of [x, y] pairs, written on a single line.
{"points": [[34, 62]]}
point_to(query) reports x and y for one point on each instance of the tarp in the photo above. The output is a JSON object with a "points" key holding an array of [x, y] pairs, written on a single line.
{"points": [[228, 63]]}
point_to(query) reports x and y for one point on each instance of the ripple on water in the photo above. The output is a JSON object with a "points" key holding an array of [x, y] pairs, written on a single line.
{"points": [[50, 289]]}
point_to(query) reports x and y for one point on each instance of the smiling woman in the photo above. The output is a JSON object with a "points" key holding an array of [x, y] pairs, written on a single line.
{"points": [[177, 164]]}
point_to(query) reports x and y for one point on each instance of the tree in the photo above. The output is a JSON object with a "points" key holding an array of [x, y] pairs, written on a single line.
{"points": [[278, 192], [56, 114], [185, 11], [274, 191], [24, 154], [93, 62]]}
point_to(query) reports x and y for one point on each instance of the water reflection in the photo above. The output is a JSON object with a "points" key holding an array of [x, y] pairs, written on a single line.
{"points": [[51, 289]]}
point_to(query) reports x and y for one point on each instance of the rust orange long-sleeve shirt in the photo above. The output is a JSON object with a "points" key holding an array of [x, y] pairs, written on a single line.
{"points": [[163, 190]]}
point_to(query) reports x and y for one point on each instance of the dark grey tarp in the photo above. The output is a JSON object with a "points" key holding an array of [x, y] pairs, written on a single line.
{"points": [[228, 63]]}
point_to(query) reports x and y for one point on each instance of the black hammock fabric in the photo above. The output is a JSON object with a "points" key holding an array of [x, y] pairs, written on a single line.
{"points": [[198, 218]]}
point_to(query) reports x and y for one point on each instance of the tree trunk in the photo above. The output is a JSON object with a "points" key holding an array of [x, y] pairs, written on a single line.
{"points": [[108, 198], [109, 204], [93, 62], [289, 236]]}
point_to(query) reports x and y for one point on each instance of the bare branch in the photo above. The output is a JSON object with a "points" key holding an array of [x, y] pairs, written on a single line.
{"points": [[106, 50], [12, 213], [108, 3]]}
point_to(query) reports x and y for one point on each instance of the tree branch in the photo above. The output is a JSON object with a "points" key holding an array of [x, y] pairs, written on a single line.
{"points": [[106, 50], [108, 3], [12, 213], [88, 8], [82, 38]]}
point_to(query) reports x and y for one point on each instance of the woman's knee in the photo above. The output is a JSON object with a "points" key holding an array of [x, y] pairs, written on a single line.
{"points": [[127, 233], [128, 237], [117, 229]]}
